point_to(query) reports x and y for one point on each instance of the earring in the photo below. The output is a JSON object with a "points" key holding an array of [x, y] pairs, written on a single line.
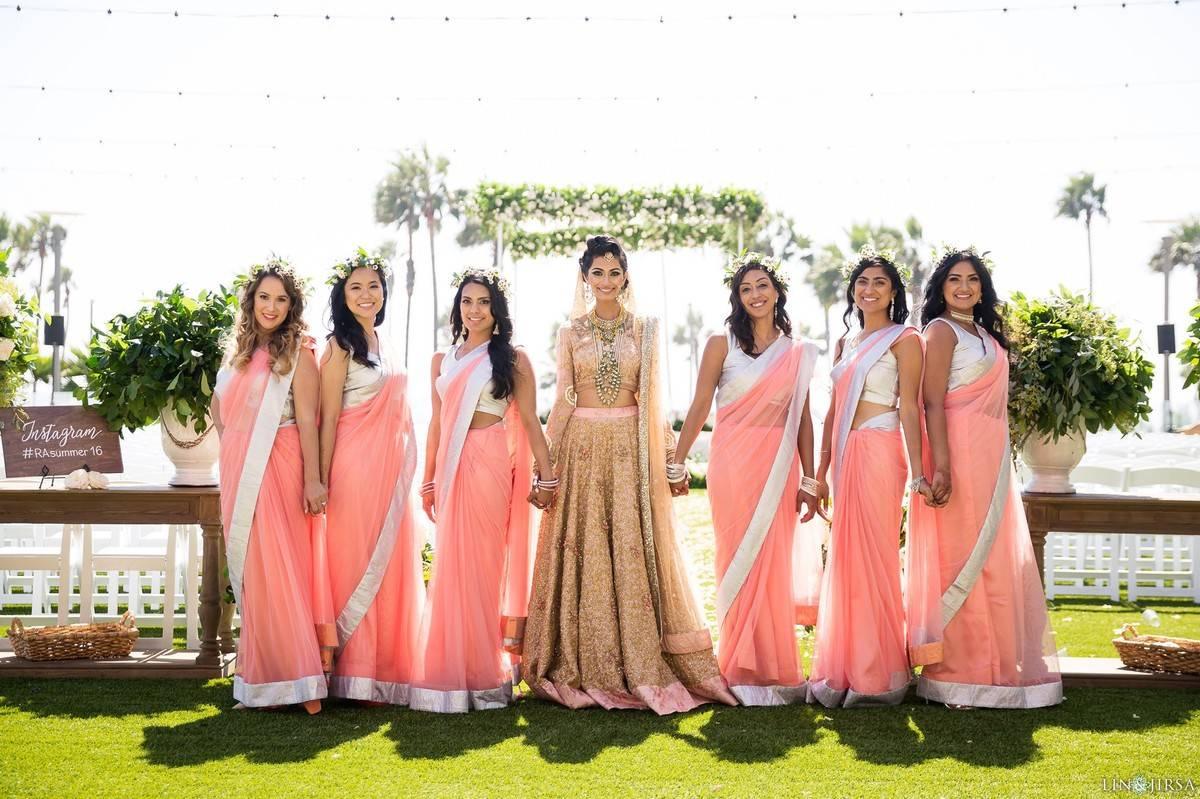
{"points": [[587, 292], [495, 330]]}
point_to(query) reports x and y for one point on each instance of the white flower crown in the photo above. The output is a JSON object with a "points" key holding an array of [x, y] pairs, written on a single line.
{"points": [[767, 263], [274, 266], [868, 252], [492, 276], [360, 260], [944, 251]]}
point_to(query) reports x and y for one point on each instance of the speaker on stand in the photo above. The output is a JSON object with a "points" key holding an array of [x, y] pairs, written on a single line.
{"points": [[1166, 348]]}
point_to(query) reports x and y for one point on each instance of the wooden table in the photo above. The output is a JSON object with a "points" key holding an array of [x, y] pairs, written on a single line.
{"points": [[22, 502], [1172, 514]]}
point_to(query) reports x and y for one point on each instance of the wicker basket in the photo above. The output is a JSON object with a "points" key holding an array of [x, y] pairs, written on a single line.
{"points": [[74, 641], [1157, 652]]}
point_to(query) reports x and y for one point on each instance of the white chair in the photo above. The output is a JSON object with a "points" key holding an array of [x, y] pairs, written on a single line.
{"points": [[34, 557], [1164, 565], [1088, 564], [132, 559]]}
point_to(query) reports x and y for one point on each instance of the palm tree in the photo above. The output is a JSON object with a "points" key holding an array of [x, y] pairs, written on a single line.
{"points": [[420, 178], [1180, 247], [688, 335], [474, 235], [1083, 198], [825, 277], [397, 203]]}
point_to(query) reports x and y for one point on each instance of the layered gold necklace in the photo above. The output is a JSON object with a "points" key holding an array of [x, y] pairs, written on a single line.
{"points": [[608, 369]]}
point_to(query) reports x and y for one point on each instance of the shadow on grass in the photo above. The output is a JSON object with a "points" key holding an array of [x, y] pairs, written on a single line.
{"points": [[559, 734], [756, 734], [99, 698], [914, 733], [288, 735]]}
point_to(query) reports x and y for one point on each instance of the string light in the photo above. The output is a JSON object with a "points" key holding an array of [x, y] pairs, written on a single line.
{"points": [[268, 95], [650, 18]]}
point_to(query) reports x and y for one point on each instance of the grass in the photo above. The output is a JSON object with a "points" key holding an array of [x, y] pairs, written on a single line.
{"points": [[106, 738], [111, 738]]}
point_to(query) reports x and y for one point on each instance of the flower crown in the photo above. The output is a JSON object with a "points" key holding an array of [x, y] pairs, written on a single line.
{"points": [[766, 262], [944, 251], [868, 252], [360, 260], [277, 266], [492, 276]]}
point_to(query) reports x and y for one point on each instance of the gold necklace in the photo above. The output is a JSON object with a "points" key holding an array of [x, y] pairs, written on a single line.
{"points": [[962, 317], [608, 370]]}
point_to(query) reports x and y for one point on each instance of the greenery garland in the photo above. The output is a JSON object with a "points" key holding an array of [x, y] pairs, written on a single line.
{"points": [[682, 217]]}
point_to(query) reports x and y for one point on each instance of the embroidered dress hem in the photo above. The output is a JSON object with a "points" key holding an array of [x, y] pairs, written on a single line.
{"points": [[673, 698], [286, 692], [434, 701], [365, 689], [1015, 697], [770, 695]]}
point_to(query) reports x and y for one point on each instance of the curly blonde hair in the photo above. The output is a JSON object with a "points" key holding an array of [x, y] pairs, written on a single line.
{"points": [[284, 344]]}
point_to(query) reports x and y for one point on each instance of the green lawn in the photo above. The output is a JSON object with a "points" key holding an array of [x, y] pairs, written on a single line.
{"points": [[111, 738]]}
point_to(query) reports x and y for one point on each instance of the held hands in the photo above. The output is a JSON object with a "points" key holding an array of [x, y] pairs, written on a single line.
{"points": [[940, 488], [540, 498], [678, 479], [812, 500], [921, 486], [315, 497]]}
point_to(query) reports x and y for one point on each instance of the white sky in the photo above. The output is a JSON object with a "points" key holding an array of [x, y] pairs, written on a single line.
{"points": [[849, 112]]}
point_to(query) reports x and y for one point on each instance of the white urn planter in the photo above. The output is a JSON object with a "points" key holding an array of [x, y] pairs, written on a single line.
{"points": [[193, 454], [1051, 462]]}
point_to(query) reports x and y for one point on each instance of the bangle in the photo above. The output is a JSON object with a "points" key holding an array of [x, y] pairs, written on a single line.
{"points": [[809, 485], [550, 485], [427, 488], [676, 473], [915, 485]]}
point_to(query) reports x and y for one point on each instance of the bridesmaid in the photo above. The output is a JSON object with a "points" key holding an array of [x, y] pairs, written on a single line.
{"points": [[976, 608], [874, 421], [266, 412], [612, 619], [762, 444], [368, 460], [477, 463]]}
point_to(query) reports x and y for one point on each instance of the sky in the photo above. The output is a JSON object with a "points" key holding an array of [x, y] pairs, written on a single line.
{"points": [[969, 117]]}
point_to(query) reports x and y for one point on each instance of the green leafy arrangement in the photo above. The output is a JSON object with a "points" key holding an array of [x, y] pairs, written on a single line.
{"points": [[167, 353], [1190, 354], [1073, 367], [18, 335]]}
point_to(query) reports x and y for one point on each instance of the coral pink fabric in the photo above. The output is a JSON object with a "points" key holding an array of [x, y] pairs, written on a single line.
{"points": [[758, 633], [1000, 636], [482, 557], [373, 440], [278, 649], [860, 653]]}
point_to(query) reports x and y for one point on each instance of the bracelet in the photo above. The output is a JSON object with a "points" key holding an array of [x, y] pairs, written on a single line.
{"points": [[915, 485], [550, 485], [676, 472], [427, 488], [809, 485]]}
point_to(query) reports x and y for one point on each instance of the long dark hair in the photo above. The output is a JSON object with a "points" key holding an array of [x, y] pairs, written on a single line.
{"points": [[500, 349], [987, 311], [739, 322], [347, 331], [598, 247], [897, 311]]}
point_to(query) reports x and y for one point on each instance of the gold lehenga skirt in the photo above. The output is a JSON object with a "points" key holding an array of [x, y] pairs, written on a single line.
{"points": [[592, 635]]}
